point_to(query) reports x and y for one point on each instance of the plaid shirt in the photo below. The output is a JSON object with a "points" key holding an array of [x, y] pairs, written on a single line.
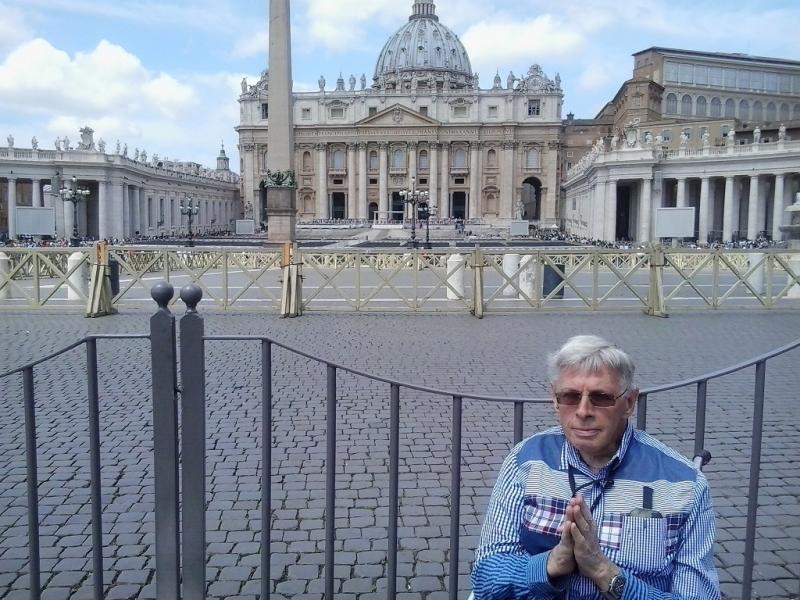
{"points": [[667, 558]]}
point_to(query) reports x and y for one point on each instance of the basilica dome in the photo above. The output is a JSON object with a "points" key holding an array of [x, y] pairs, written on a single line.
{"points": [[423, 53]]}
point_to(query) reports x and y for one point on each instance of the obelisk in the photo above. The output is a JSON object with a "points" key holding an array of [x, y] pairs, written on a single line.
{"points": [[280, 182]]}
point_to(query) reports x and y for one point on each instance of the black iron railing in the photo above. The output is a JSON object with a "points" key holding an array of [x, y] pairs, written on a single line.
{"points": [[181, 557]]}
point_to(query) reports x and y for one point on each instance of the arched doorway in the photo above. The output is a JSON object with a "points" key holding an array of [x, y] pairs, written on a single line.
{"points": [[373, 210], [261, 219], [531, 199], [398, 207], [459, 205]]}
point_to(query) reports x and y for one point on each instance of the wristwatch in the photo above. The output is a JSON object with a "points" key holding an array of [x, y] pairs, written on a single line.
{"points": [[616, 587]]}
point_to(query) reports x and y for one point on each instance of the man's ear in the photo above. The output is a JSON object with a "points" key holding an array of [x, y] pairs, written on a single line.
{"points": [[631, 400]]}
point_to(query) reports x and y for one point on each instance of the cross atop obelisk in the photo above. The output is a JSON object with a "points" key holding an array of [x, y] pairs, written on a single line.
{"points": [[280, 183]]}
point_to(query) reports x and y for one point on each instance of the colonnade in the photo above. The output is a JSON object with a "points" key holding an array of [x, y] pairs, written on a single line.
{"points": [[728, 208], [121, 209]]}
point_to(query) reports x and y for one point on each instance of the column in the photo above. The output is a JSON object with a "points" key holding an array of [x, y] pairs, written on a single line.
{"points": [[645, 210], [444, 200], [117, 201], [125, 207], [361, 212], [474, 181], [37, 193], [383, 181], [323, 207], [103, 211], [142, 205], [727, 215], [12, 208], [351, 182], [753, 211], [778, 207], [412, 171], [598, 211], [433, 180], [704, 211], [681, 185], [507, 182], [611, 212]]}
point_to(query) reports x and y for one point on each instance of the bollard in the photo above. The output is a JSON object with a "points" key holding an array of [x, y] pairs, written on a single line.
{"points": [[527, 276], [510, 268], [78, 287], [756, 278], [455, 277], [5, 269]]}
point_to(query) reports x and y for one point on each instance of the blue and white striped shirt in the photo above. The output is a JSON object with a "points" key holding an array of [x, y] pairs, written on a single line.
{"points": [[667, 558]]}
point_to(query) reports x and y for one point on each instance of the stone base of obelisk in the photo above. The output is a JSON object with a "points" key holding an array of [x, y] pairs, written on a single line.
{"points": [[281, 215]]}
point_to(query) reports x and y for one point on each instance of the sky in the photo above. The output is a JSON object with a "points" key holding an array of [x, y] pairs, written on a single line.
{"points": [[164, 75]]}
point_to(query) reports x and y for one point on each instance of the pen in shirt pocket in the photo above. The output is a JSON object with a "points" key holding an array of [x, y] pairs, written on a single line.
{"points": [[646, 512]]}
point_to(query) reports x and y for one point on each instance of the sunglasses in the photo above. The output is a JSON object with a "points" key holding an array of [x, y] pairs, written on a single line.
{"points": [[598, 399]]}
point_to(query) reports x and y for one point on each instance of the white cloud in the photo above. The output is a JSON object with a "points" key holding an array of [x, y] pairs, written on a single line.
{"points": [[340, 26], [255, 44], [494, 43], [598, 76], [13, 28]]}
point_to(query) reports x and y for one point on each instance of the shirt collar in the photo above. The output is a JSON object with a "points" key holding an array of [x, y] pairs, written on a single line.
{"points": [[570, 456]]}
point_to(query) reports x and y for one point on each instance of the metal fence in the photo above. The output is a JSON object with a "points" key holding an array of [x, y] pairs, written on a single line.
{"points": [[475, 280], [180, 517]]}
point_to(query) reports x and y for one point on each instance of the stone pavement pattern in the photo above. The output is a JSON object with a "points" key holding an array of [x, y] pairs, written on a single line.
{"points": [[501, 355]]}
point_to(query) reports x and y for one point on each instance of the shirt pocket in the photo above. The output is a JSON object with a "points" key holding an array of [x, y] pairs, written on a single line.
{"points": [[643, 545], [542, 523]]}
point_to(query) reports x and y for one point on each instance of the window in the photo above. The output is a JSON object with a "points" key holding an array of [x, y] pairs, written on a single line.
{"points": [[337, 112], [701, 75], [532, 158], [772, 112], [373, 110], [373, 182], [730, 108], [423, 181], [703, 132], [730, 78], [667, 135], [757, 80], [686, 105], [671, 71], [758, 112], [796, 84], [685, 73], [743, 79], [459, 181], [492, 158], [716, 76], [306, 161], [672, 104], [725, 130], [424, 162], [688, 133], [338, 181], [716, 107], [569, 165], [492, 112], [785, 114], [772, 82], [264, 111], [374, 164], [423, 110], [796, 112], [534, 108], [701, 108], [459, 111], [399, 159], [460, 159], [744, 110], [306, 114], [338, 159]]}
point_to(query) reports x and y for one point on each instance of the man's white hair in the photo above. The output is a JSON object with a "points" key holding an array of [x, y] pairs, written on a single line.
{"points": [[591, 354]]}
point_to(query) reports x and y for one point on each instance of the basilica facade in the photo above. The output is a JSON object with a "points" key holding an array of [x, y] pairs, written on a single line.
{"points": [[484, 154]]}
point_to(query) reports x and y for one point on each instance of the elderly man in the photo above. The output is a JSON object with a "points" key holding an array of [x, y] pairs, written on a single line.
{"points": [[595, 508]]}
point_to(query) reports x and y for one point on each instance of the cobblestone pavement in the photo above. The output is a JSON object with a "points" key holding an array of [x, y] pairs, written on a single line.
{"points": [[502, 355]]}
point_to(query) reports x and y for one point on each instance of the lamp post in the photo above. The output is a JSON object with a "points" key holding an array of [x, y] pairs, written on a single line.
{"points": [[190, 211], [74, 194], [414, 197]]}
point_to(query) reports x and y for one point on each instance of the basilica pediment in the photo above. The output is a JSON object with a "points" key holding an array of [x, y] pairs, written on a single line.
{"points": [[398, 115]]}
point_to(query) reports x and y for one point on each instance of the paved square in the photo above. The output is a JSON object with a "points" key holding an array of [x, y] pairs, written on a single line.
{"points": [[502, 355]]}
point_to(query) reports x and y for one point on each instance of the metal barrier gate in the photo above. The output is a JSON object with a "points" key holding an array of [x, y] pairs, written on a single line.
{"points": [[180, 512]]}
